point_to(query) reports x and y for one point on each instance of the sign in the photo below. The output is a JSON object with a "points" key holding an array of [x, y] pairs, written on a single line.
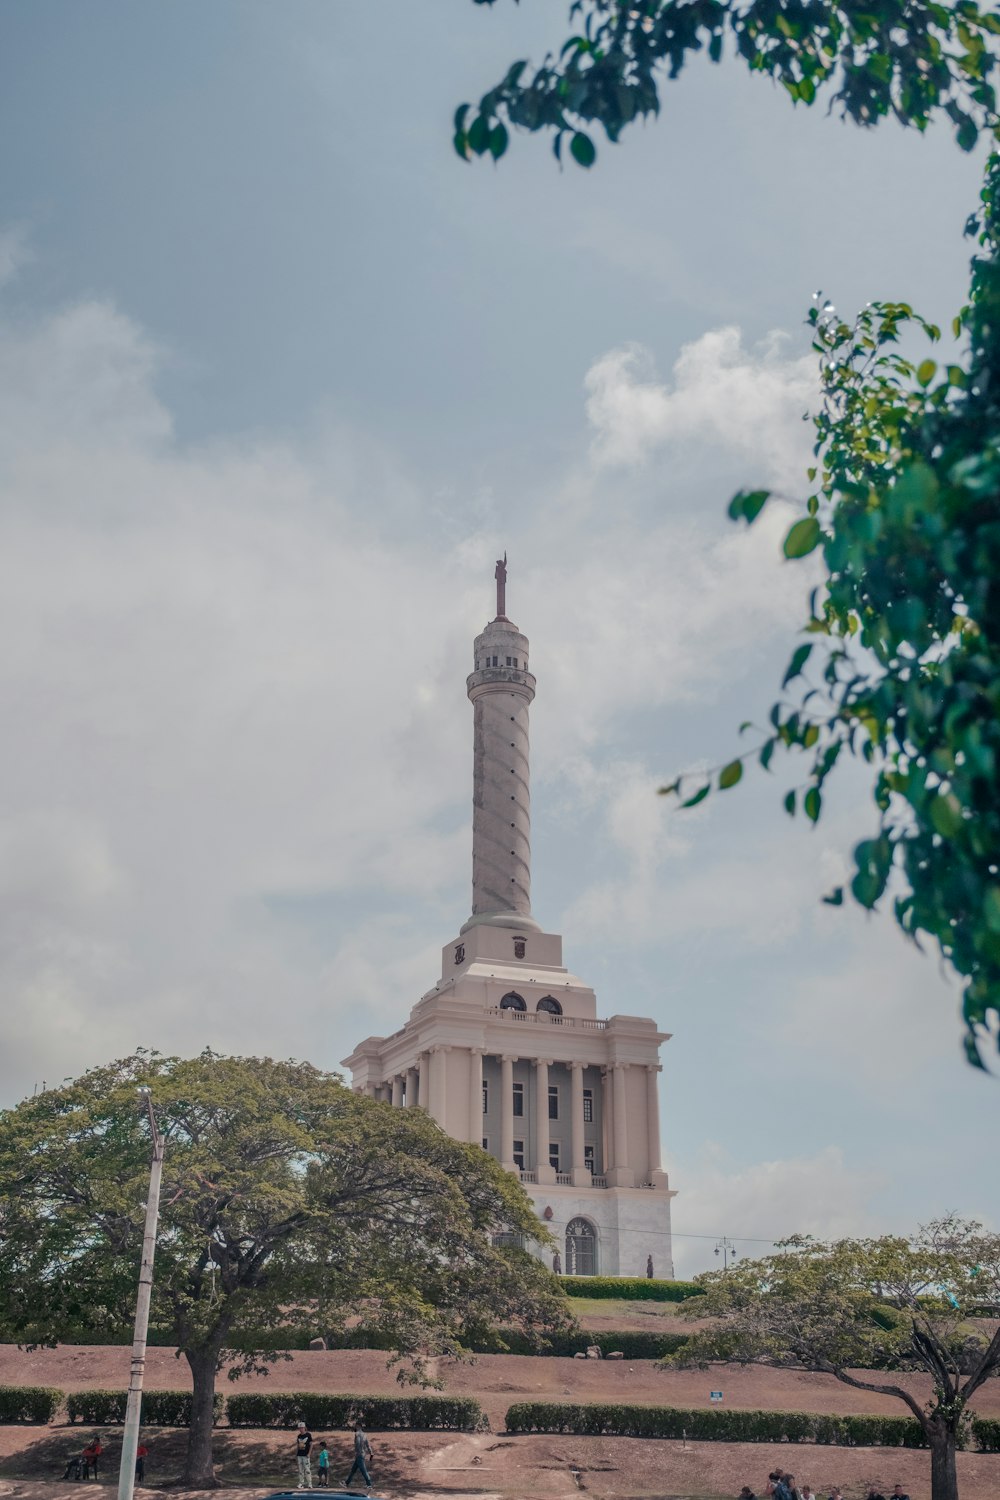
{"points": [[715, 1395]]}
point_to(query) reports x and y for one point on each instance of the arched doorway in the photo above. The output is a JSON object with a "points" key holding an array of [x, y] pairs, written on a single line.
{"points": [[550, 1004], [581, 1248], [512, 1002]]}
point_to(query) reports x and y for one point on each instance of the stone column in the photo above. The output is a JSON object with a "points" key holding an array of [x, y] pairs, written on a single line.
{"points": [[653, 1120], [370, 1091], [424, 1096], [475, 1096], [438, 1088], [397, 1091], [608, 1117], [507, 1112], [622, 1174], [543, 1171], [577, 1166], [412, 1086]]}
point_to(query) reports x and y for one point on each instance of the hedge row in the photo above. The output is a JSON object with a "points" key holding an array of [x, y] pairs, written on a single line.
{"points": [[378, 1413], [159, 1408], [36, 1404], [717, 1425], [633, 1344], [713, 1424], [630, 1288]]}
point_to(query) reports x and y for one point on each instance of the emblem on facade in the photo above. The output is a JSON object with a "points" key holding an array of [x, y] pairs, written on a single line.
{"points": [[459, 953], [519, 947], [546, 1212]]}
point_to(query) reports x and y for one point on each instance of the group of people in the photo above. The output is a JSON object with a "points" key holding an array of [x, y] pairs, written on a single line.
{"points": [[303, 1458], [781, 1486], [86, 1465]]}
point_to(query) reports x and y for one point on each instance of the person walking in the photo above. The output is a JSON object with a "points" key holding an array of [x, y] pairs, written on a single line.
{"points": [[362, 1451], [323, 1465], [303, 1444], [141, 1454]]}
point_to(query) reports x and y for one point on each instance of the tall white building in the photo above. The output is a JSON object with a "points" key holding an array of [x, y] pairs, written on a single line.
{"points": [[507, 1048]]}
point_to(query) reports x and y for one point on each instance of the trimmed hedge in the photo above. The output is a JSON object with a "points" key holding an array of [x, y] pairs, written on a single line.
{"points": [[159, 1408], [36, 1404], [986, 1434], [633, 1344], [378, 1413], [630, 1288], [713, 1424]]}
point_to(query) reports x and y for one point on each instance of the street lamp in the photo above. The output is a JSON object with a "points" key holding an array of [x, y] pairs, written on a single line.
{"points": [[727, 1250], [133, 1409]]}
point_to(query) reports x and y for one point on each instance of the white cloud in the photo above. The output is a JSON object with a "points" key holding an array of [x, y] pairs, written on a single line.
{"points": [[234, 776], [749, 402], [822, 1195], [15, 252]]}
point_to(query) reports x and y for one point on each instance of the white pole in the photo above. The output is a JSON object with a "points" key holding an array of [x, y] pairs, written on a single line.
{"points": [[133, 1411]]}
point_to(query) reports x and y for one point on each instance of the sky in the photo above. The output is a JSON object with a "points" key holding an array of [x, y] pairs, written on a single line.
{"points": [[280, 377]]}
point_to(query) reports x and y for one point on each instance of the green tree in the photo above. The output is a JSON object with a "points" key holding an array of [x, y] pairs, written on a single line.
{"points": [[857, 1306], [906, 59], [904, 662], [287, 1200]]}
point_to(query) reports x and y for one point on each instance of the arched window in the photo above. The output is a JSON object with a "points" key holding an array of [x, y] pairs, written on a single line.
{"points": [[581, 1248], [512, 1002], [550, 1004]]}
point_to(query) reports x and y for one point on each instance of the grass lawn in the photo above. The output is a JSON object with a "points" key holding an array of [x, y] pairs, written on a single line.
{"points": [[623, 1307]]}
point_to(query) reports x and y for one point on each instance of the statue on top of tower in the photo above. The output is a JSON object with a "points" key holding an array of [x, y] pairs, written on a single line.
{"points": [[500, 574]]}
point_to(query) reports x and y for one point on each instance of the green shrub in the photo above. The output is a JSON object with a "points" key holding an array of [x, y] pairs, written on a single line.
{"points": [[714, 1424], [633, 1344], [37, 1404], [986, 1434], [378, 1413], [159, 1408], [630, 1288]]}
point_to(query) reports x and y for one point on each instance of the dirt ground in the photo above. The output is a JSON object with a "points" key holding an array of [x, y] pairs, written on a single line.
{"points": [[496, 1379], [423, 1466]]}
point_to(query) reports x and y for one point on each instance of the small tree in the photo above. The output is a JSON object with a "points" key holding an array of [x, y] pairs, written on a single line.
{"points": [[287, 1201], [853, 1305]]}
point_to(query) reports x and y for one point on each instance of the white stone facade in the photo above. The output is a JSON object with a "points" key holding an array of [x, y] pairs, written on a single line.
{"points": [[507, 1049]]}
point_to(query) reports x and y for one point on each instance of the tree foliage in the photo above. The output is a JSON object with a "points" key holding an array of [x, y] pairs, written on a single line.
{"points": [[287, 1200], [906, 59], [903, 665], [844, 1307]]}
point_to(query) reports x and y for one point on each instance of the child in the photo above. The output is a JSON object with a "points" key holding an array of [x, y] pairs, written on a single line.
{"points": [[323, 1465]]}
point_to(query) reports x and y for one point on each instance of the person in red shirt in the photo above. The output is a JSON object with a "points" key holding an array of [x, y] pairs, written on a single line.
{"points": [[91, 1456], [141, 1454]]}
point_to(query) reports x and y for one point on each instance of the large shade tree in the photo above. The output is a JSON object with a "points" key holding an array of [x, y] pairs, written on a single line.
{"points": [[858, 1309], [287, 1200], [903, 506]]}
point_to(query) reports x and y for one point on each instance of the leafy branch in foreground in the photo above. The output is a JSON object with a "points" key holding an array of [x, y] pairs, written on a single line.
{"points": [[852, 1307], [908, 59], [904, 660]]}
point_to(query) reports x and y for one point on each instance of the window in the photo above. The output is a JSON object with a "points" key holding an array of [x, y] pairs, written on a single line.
{"points": [[549, 1003], [486, 1096], [515, 661], [554, 1155], [519, 1099], [519, 1154], [588, 1159], [588, 1107], [508, 661], [553, 1101], [496, 661], [512, 1001], [486, 1143], [581, 1248]]}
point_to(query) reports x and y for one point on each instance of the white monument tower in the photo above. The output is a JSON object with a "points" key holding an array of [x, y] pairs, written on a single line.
{"points": [[507, 1049]]}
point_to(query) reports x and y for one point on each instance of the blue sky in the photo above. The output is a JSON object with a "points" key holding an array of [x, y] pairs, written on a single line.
{"points": [[280, 377]]}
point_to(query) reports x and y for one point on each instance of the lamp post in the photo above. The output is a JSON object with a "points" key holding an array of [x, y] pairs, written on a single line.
{"points": [[726, 1249], [133, 1410]]}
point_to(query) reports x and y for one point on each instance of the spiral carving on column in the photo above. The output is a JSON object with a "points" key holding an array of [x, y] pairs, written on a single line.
{"points": [[501, 820]]}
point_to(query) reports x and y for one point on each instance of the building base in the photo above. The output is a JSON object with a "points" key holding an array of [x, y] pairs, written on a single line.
{"points": [[629, 1224]]}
